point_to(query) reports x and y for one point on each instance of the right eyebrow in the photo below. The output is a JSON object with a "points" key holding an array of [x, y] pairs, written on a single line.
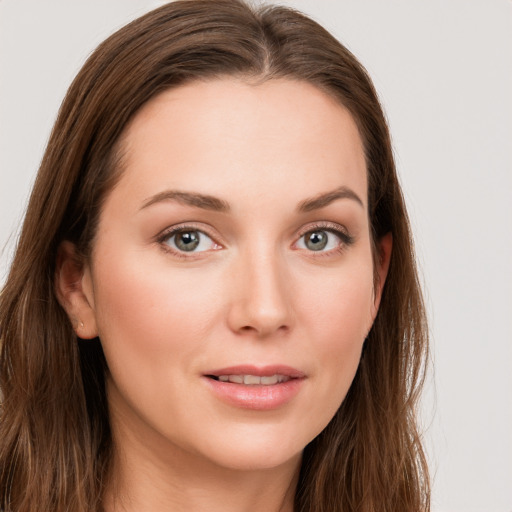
{"points": [[188, 198]]}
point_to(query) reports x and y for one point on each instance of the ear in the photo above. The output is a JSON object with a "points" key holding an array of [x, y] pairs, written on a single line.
{"points": [[384, 249], [74, 290]]}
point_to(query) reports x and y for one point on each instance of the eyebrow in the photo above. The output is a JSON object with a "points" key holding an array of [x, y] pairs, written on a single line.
{"points": [[327, 198], [212, 203], [189, 198]]}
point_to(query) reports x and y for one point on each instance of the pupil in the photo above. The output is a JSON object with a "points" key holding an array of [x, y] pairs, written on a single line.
{"points": [[317, 240], [187, 241]]}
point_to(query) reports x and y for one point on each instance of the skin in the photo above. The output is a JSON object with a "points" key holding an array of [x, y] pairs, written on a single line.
{"points": [[253, 292]]}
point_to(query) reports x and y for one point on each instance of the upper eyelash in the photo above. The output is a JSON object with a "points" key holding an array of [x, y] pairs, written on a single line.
{"points": [[168, 232]]}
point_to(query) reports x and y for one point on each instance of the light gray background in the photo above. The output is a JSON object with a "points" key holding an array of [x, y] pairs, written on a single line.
{"points": [[443, 69]]}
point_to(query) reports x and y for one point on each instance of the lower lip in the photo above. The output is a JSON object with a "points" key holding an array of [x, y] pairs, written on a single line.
{"points": [[256, 397]]}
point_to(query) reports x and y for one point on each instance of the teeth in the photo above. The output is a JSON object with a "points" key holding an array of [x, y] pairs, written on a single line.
{"points": [[254, 380], [274, 379]]}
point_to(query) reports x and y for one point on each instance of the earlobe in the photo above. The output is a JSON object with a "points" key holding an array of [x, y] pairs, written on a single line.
{"points": [[384, 250], [73, 287]]}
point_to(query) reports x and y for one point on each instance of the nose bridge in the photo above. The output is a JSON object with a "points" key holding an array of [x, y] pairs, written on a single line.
{"points": [[262, 302]]}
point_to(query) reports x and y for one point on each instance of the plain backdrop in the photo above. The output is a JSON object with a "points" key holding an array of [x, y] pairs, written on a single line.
{"points": [[443, 69]]}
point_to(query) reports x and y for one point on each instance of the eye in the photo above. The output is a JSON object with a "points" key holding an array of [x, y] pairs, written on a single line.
{"points": [[318, 240], [188, 240], [323, 239]]}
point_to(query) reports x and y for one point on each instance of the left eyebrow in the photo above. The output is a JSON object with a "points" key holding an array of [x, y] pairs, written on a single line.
{"points": [[327, 198]]}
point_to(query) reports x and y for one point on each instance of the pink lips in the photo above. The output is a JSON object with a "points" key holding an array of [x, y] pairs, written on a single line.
{"points": [[257, 397]]}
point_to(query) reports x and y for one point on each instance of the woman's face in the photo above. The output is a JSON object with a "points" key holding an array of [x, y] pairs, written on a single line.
{"points": [[231, 280]]}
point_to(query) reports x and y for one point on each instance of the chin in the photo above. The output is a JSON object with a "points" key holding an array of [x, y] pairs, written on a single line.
{"points": [[258, 450], [261, 461]]}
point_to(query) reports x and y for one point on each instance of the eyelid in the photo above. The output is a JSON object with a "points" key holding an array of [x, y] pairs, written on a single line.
{"points": [[325, 225]]}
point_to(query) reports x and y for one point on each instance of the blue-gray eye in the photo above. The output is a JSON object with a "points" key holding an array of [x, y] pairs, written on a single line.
{"points": [[190, 240], [316, 241], [187, 240], [319, 240]]}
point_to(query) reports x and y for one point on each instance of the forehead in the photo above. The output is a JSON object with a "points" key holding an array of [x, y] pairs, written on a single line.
{"points": [[254, 139]]}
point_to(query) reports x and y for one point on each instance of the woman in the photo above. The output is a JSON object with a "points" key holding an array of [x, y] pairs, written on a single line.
{"points": [[214, 302]]}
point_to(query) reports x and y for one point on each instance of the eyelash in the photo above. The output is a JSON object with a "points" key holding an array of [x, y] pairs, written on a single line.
{"points": [[346, 239]]}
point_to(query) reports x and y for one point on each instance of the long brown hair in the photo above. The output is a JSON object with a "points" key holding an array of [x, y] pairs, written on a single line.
{"points": [[55, 440]]}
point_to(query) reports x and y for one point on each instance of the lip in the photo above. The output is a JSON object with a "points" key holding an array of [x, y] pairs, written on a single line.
{"points": [[260, 371], [256, 397]]}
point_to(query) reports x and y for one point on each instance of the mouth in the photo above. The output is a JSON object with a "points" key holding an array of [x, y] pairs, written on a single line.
{"points": [[257, 388], [252, 380], [250, 375]]}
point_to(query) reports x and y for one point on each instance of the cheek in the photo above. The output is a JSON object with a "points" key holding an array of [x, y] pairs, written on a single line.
{"points": [[339, 305], [339, 317], [155, 315]]}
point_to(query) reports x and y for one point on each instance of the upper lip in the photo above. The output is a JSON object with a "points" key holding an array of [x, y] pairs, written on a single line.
{"points": [[260, 371]]}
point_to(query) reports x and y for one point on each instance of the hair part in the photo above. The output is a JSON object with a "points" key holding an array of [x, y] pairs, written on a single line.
{"points": [[55, 440]]}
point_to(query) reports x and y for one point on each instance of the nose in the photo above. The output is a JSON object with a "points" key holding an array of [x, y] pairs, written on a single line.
{"points": [[261, 298]]}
